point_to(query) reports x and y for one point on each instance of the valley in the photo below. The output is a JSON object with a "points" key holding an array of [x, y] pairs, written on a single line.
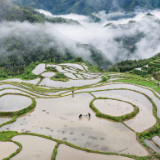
{"points": [[79, 80]]}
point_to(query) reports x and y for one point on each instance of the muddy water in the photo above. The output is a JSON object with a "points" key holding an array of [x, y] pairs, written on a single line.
{"points": [[68, 153], [152, 146], [39, 69], [144, 118], [113, 107], [48, 74], [59, 118], [70, 83], [34, 148], [129, 86], [3, 120], [6, 149], [14, 102], [156, 139]]}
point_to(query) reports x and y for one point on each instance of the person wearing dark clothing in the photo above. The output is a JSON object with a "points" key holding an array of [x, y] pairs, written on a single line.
{"points": [[73, 94], [80, 115], [89, 115]]}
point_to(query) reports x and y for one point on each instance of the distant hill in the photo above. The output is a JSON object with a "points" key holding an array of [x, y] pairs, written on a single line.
{"points": [[143, 67], [87, 7], [25, 38], [11, 12], [130, 40]]}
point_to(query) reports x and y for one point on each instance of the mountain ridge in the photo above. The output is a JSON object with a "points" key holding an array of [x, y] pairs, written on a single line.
{"points": [[87, 7]]}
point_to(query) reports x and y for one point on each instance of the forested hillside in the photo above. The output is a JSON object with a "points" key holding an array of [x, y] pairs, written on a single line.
{"points": [[27, 37], [88, 6], [11, 12], [128, 65]]}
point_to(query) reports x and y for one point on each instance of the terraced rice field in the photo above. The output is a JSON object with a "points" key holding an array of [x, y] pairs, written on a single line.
{"points": [[113, 107], [51, 128], [34, 148], [6, 149], [14, 102]]}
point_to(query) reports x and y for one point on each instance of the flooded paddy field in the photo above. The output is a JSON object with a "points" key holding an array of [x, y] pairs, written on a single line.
{"points": [[18, 90], [50, 83], [79, 76], [3, 86], [3, 120], [70, 70], [89, 75], [59, 68], [14, 102], [151, 145], [86, 67], [156, 139], [56, 93], [13, 91], [34, 148], [35, 81], [127, 86], [73, 65], [48, 74], [73, 71], [7, 148], [59, 119], [68, 153], [113, 107], [144, 119], [70, 75], [39, 69]]}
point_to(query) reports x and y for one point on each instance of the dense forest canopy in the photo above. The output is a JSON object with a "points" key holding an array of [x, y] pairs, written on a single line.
{"points": [[89, 6]]}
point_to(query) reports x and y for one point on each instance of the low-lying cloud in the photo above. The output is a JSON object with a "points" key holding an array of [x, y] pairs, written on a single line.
{"points": [[105, 38], [121, 40], [34, 35]]}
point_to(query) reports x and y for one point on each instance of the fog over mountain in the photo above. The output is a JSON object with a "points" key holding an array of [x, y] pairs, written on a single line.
{"points": [[125, 38], [28, 36]]}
